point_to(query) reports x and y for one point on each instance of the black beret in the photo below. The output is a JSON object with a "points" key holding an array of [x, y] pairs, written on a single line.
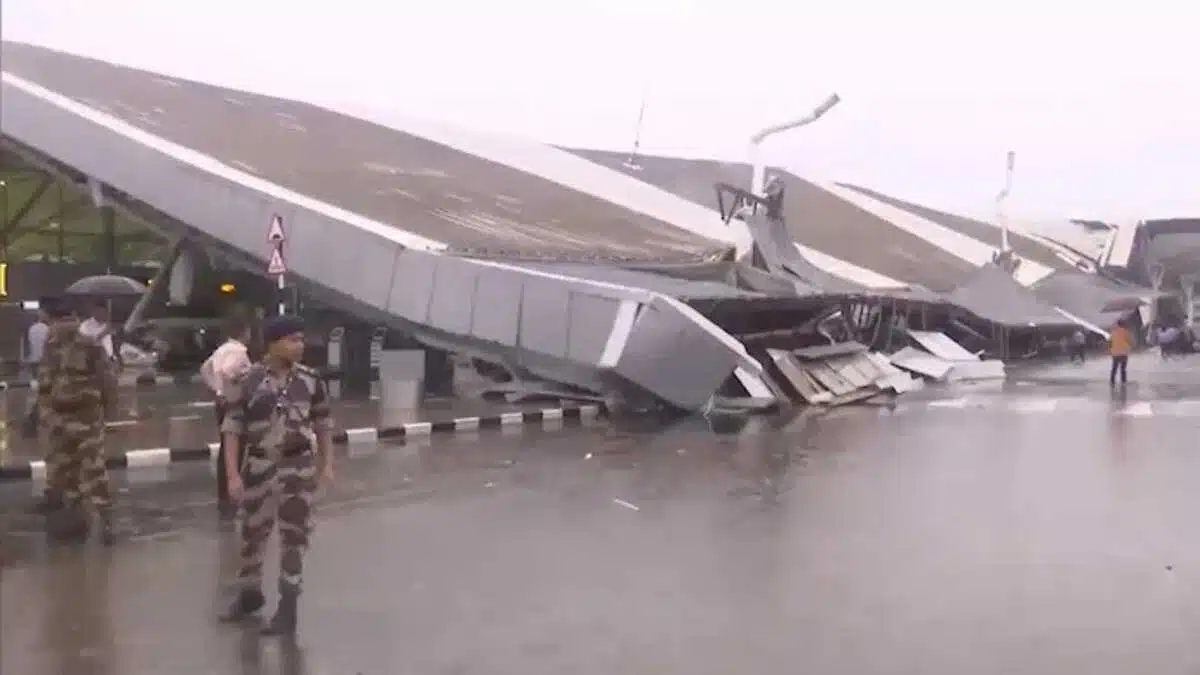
{"points": [[278, 327]]}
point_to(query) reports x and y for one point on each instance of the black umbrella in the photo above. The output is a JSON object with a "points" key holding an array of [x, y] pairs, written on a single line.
{"points": [[107, 286]]}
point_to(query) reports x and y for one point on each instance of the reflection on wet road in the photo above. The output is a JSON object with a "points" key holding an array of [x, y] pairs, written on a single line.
{"points": [[858, 543]]}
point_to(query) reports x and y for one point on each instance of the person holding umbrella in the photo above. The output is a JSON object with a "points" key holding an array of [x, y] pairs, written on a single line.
{"points": [[76, 388], [1120, 344]]}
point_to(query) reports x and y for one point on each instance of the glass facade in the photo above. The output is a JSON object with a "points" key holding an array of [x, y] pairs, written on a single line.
{"points": [[54, 223]]}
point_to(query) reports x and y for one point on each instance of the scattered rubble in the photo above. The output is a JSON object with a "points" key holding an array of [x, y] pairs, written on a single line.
{"points": [[848, 372]]}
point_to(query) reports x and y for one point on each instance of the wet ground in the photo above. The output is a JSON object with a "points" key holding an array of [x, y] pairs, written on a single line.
{"points": [[984, 538]]}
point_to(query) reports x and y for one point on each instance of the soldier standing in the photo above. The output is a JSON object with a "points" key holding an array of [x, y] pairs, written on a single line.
{"points": [[76, 386], [280, 411]]}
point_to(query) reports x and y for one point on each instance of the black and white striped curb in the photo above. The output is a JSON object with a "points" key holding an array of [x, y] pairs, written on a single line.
{"points": [[141, 380], [160, 457]]}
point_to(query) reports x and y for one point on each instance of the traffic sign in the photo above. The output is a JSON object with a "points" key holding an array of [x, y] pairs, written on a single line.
{"points": [[275, 232], [276, 266]]}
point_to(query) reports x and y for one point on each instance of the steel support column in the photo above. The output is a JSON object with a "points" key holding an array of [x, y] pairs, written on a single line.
{"points": [[157, 287], [12, 223], [108, 238]]}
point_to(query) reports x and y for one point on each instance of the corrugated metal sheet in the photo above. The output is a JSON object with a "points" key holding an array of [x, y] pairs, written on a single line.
{"points": [[994, 295]]}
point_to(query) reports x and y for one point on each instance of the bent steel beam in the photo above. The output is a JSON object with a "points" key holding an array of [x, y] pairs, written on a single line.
{"points": [[603, 336], [27, 207]]}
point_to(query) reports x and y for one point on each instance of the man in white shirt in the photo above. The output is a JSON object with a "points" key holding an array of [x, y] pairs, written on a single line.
{"points": [[225, 364], [35, 348], [96, 326]]}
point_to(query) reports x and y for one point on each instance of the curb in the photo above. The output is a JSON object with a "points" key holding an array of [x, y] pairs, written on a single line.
{"points": [[142, 380], [160, 457]]}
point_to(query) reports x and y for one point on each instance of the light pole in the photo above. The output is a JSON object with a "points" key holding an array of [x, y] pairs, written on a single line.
{"points": [[756, 179], [1001, 214]]}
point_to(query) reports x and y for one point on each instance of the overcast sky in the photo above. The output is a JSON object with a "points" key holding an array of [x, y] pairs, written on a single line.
{"points": [[1101, 101]]}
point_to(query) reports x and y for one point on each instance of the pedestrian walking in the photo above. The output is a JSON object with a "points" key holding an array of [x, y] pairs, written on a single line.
{"points": [[225, 364], [1078, 346], [77, 386], [1120, 343], [280, 411], [35, 349]]}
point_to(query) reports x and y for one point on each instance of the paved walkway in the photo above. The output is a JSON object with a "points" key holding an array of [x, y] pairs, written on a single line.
{"points": [[187, 425]]}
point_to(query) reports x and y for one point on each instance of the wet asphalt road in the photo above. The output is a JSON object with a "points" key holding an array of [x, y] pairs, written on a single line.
{"points": [[985, 539]]}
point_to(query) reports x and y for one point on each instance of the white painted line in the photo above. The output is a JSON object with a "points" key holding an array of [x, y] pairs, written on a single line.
{"points": [[144, 458], [362, 435], [958, 403], [461, 423], [120, 423], [184, 418], [552, 414], [37, 470], [512, 418], [418, 428]]}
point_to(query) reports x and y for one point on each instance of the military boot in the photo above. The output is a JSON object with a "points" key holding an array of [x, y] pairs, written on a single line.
{"points": [[284, 622], [245, 605], [49, 503], [67, 524]]}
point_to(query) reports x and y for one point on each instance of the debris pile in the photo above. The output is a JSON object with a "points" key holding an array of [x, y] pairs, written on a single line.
{"points": [[936, 357], [838, 374]]}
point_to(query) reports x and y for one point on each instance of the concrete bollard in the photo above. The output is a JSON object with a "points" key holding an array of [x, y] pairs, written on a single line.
{"points": [[401, 385], [333, 360]]}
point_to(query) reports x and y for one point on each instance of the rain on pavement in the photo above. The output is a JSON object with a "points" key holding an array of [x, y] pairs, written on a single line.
{"points": [[989, 538]]}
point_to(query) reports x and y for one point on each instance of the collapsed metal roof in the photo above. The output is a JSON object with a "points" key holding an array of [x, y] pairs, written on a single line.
{"points": [[992, 294]]}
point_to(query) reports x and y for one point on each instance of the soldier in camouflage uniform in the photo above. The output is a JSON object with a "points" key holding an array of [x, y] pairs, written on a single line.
{"points": [[76, 386], [280, 410]]}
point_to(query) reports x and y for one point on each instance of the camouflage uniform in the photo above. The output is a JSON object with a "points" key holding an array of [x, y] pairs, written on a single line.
{"points": [[75, 386], [278, 417]]}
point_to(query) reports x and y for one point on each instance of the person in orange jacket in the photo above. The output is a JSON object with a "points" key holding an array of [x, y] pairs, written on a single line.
{"points": [[1120, 343]]}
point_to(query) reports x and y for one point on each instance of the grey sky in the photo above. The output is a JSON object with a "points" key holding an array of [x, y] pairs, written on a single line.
{"points": [[1099, 101]]}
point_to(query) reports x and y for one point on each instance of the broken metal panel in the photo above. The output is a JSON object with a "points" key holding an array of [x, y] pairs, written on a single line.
{"points": [[754, 385], [828, 378], [855, 369], [991, 369], [828, 351], [653, 345], [1085, 295], [667, 354], [917, 361], [799, 380], [941, 346], [993, 295]]}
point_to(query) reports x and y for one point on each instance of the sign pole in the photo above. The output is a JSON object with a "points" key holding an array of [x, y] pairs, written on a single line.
{"points": [[281, 286], [276, 263]]}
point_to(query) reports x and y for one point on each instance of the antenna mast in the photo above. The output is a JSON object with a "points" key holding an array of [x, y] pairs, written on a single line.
{"points": [[631, 162]]}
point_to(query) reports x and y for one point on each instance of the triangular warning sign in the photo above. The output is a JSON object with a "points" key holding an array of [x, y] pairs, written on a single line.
{"points": [[276, 266], [275, 231]]}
